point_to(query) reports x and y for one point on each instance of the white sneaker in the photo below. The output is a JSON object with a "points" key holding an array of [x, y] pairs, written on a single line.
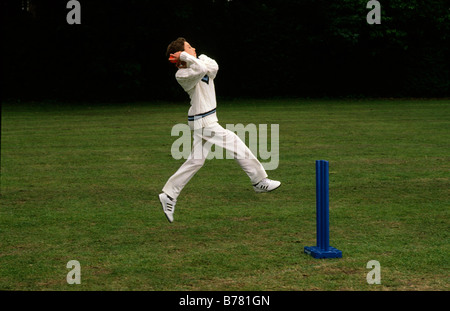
{"points": [[168, 206], [266, 185]]}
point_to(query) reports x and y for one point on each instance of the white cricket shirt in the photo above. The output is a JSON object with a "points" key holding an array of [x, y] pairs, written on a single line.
{"points": [[198, 81]]}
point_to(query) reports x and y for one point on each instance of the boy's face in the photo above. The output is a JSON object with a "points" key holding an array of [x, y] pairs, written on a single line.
{"points": [[189, 49]]}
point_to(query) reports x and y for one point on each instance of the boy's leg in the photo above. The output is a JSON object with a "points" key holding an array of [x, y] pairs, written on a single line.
{"points": [[242, 154], [188, 169]]}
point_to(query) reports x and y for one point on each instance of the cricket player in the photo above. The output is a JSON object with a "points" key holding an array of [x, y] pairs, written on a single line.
{"points": [[196, 76]]}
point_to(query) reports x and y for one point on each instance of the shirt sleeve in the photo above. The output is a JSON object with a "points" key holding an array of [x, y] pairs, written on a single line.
{"points": [[211, 65], [195, 71]]}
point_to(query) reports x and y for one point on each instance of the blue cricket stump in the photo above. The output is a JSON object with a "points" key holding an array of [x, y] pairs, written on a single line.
{"points": [[323, 248]]}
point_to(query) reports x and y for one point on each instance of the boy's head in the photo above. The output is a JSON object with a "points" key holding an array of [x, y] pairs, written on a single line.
{"points": [[175, 46], [180, 45]]}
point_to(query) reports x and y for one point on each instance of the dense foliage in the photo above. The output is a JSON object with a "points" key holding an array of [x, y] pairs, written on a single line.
{"points": [[303, 48]]}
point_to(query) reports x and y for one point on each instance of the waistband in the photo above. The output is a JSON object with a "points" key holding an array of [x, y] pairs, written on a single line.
{"points": [[201, 115]]}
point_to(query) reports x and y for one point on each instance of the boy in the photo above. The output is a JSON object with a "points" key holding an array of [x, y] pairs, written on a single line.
{"points": [[196, 76]]}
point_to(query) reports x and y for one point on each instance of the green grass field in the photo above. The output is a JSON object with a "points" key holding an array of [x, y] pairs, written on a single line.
{"points": [[80, 182]]}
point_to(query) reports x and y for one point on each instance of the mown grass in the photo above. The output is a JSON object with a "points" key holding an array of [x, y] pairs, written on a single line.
{"points": [[81, 182]]}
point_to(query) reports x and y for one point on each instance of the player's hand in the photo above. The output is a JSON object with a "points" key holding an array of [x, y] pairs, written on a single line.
{"points": [[175, 57]]}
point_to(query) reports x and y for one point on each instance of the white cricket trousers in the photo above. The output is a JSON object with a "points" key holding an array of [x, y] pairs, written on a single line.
{"points": [[204, 138]]}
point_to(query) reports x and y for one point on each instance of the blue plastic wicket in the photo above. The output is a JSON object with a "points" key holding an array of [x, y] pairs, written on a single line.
{"points": [[323, 248]]}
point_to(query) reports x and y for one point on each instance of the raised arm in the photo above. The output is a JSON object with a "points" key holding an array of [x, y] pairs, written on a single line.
{"points": [[195, 71], [210, 64]]}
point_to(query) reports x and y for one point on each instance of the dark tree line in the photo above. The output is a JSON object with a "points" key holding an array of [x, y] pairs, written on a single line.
{"points": [[305, 48]]}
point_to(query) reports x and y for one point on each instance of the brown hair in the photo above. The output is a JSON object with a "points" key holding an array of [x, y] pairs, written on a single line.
{"points": [[175, 46]]}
